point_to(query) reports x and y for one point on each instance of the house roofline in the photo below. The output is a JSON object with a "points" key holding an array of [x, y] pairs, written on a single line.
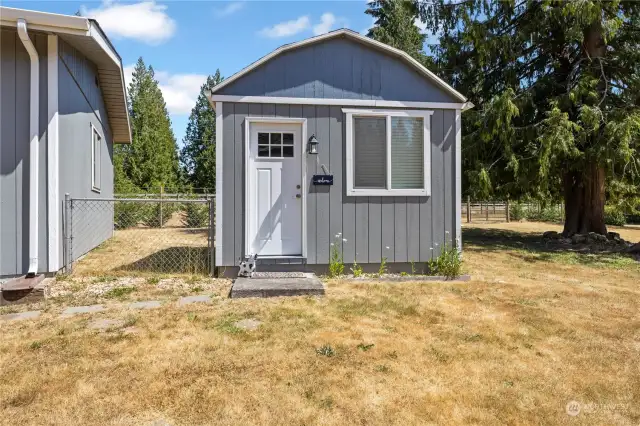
{"points": [[54, 23], [340, 33]]}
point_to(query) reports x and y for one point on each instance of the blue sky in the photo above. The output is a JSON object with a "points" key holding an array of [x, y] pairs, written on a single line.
{"points": [[186, 40]]}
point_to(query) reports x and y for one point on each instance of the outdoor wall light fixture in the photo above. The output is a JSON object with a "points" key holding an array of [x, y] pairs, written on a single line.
{"points": [[312, 145]]}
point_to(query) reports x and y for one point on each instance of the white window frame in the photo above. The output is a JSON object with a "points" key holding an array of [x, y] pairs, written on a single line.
{"points": [[94, 132], [425, 115]]}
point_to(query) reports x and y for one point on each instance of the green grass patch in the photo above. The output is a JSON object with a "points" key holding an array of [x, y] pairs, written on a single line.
{"points": [[118, 292]]}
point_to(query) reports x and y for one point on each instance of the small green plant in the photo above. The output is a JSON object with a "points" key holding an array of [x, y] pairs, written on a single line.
{"points": [[356, 270], [336, 260], [63, 277], [130, 321], [383, 267], [192, 316], [403, 274], [325, 350], [36, 344], [117, 292], [413, 267], [448, 263], [365, 348], [153, 280], [196, 289], [382, 369], [104, 279]]}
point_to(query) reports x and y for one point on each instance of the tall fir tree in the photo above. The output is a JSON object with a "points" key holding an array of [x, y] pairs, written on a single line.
{"points": [[556, 88], [395, 25], [151, 161], [198, 154]]}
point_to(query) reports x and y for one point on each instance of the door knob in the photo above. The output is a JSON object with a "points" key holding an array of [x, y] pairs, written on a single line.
{"points": [[298, 196]]}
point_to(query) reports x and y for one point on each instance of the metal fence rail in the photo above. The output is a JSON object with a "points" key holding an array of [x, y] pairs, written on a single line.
{"points": [[156, 235]]}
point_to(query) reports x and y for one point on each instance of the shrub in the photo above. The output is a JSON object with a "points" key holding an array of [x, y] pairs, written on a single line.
{"points": [[159, 213], [196, 215], [517, 211], [356, 270], [448, 263], [614, 215], [129, 214]]}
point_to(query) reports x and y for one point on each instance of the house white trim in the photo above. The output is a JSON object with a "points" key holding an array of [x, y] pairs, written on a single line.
{"points": [[94, 187], [388, 192], [458, 191], [218, 189], [353, 35], [54, 203], [247, 164], [341, 102]]}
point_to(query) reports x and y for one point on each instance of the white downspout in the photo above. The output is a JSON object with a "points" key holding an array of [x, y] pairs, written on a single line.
{"points": [[34, 106]]}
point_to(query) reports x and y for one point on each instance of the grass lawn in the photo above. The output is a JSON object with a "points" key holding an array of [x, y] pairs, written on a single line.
{"points": [[533, 330]]}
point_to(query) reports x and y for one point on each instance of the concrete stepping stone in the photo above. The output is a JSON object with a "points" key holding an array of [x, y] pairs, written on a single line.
{"points": [[188, 300], [82, 310], [20, 316], [105, 324], [149, 304], [248, 324]]}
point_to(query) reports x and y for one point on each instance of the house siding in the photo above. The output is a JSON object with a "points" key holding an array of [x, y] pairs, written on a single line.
{"points": [[15, 66], [338, 69], [81, 105], [400, 229]]}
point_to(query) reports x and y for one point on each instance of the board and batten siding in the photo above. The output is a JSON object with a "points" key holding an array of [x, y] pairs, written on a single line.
{"points": [[15, 66], [81, 105], [338, 68], [400, 229]]}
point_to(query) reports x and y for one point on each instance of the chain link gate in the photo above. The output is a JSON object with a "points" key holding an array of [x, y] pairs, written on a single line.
{"points": [[157, 235]]}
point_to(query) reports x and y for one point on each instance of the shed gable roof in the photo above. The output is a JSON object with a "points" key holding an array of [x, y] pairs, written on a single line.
{"points": [[412, 69]]}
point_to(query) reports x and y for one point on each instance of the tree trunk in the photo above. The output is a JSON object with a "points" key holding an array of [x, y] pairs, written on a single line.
{"points": [[584, 200]]}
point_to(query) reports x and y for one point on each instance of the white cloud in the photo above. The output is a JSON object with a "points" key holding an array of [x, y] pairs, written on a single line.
{"points": [[286, 29], [146, 21], [327, 21], [230, 8], [180, 91]]}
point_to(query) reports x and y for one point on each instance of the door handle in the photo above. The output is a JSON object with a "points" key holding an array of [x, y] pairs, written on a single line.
{"points": [[298, 196]]}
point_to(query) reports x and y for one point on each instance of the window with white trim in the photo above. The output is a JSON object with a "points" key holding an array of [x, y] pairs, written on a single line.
{"points": [[96, 144], [388, 152]]}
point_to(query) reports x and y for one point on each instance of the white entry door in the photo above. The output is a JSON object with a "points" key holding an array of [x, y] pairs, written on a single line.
{"points": [[275, 193]]}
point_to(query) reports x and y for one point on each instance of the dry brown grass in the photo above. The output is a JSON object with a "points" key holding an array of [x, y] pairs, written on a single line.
{"points": [[143, 251], [532, 331]]}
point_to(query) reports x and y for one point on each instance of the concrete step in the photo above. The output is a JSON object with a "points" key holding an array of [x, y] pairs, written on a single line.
{"points": [[306, 285]]}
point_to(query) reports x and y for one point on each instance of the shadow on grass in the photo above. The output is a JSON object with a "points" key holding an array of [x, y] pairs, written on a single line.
{"points": [[180, 260], [530, 247]]}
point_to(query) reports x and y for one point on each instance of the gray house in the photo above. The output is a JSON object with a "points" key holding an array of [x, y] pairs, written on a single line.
{"points": [[337, 141], [62, 107]]}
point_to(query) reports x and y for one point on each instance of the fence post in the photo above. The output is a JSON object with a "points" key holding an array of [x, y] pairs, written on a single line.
{"points": [[212, 236], [68, 234], [507, 213], [486, 212], [161, 191], [468, 209]]}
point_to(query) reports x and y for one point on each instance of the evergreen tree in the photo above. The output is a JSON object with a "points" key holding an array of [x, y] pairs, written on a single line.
{"points": [[395, 25], [198, 154], [152, 158], [556, 89]]}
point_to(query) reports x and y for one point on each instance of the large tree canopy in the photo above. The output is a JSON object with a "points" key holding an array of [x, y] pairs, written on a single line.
{"points": [[395, 25], [198, 154], [151, 161], [556, 88]]}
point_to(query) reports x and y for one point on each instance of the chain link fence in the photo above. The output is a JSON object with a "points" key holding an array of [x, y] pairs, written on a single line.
{"points": [[168, 235]]}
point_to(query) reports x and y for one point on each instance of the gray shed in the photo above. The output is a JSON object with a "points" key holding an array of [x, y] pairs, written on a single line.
{"points": [[62, 107], [385, 181]]}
